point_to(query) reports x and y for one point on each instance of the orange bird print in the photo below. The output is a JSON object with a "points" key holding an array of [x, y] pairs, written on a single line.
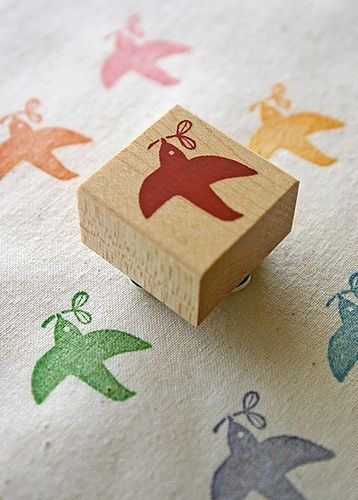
{"points": [[35, 146], [142, 58], [189, 178], [290, 131]]}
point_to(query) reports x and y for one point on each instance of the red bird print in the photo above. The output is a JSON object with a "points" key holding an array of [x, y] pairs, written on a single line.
{"points": [[191, 179], [139, 57], [35, 146]]}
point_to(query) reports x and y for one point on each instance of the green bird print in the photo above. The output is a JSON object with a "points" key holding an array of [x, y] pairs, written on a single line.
{"points": [[82, 355], [343, 345]]}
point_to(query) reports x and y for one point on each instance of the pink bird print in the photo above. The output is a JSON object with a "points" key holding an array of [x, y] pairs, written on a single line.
{"points": [[129, 55]]}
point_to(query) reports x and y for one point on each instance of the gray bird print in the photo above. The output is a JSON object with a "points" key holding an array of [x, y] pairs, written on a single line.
{"points": [[261, 466]]}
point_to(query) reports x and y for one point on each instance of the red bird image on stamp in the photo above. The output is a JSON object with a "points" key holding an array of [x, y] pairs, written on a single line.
{"points": [[189, 178]]}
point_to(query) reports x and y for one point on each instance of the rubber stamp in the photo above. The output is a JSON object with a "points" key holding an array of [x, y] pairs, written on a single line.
{"points": [[186, 212]]}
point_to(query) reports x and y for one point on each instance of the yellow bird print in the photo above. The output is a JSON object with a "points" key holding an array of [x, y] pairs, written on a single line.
{"points": [[290, 131]]}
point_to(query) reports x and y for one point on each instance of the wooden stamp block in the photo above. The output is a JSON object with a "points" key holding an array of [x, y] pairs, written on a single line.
{"points": [[186, 212]]}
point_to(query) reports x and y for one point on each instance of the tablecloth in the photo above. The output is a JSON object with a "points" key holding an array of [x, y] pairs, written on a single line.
{"points": [[260, 400]]}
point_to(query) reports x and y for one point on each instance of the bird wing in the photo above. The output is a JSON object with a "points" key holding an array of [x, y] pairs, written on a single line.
{"points": [[262, 143], [208, 200], [343, 351], [154, 192], [283, 489], [9, 156], [227, 481], [55, 137], [287, 452], [303, 148], [148, 54], [101, 379], [104, 344], [47, 162], [216, 168], [115, 66], [157, 74], [308, 123], [161, 48], [47, 374]]}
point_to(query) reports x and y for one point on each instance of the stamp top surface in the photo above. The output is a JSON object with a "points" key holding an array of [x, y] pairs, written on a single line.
{"points": [[188, 188]]}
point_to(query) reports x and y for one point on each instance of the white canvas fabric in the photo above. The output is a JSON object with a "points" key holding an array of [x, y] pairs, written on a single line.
{"points": [[269, 341]]}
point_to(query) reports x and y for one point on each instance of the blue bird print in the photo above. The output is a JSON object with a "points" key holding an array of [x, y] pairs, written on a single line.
{"points": [[343, 345]]}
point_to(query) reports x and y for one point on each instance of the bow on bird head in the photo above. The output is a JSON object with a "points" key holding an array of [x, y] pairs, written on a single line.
{"points": [[240, 439]]}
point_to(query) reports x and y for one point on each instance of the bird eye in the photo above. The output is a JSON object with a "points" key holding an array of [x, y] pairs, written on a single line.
{"points": [[240, 434], [67, 328], [171, 152]]}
